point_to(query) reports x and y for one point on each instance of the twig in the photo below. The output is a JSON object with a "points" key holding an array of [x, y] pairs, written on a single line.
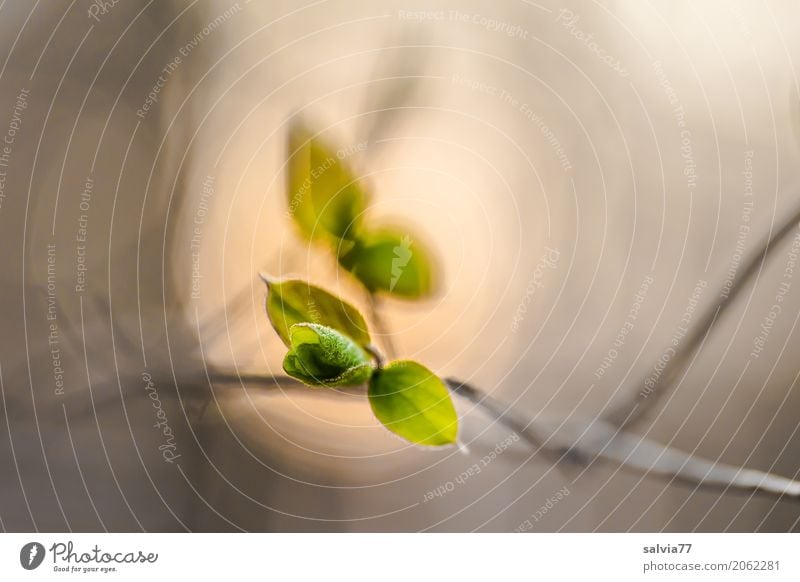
{"points": [[380, 325], [631, 410], [583, 441]]}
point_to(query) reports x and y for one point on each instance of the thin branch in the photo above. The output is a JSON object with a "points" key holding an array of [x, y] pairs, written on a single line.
{"points": [[278, 383], [583, 441], [498, 411], [380, 325], [631, 410], [376, 354]]}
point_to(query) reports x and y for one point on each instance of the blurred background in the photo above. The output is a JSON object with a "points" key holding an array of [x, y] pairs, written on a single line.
{"points": [[590, 176]]}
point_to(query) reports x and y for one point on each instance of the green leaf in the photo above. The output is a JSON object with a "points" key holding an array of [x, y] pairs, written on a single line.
{"points": [[414, 403], [293, 301], [325, 199], [321, 356], [390, 261]]}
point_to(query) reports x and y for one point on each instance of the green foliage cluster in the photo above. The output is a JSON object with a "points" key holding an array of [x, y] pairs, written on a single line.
{"points": [[329, 346], [329, 205], [328, 339]]}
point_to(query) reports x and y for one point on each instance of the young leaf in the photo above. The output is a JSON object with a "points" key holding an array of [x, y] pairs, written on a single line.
{"points": [[293, 301], [321, 356], [325, 198], [390, 261], [414, 403]]}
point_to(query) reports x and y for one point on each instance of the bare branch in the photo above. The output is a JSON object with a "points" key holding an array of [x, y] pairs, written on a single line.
{"points": [[581, 441], [374, 303], [631, 410], [585, 440]]}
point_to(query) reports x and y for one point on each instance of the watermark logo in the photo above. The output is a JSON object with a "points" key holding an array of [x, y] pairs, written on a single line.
{"points": [[31, 555], [549, 260], [100, 8], [402, 255]]}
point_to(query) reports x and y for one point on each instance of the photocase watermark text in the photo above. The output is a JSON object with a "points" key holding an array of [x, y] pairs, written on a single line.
{"points": [[549, 260], [569, 20], [168, 448]]}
